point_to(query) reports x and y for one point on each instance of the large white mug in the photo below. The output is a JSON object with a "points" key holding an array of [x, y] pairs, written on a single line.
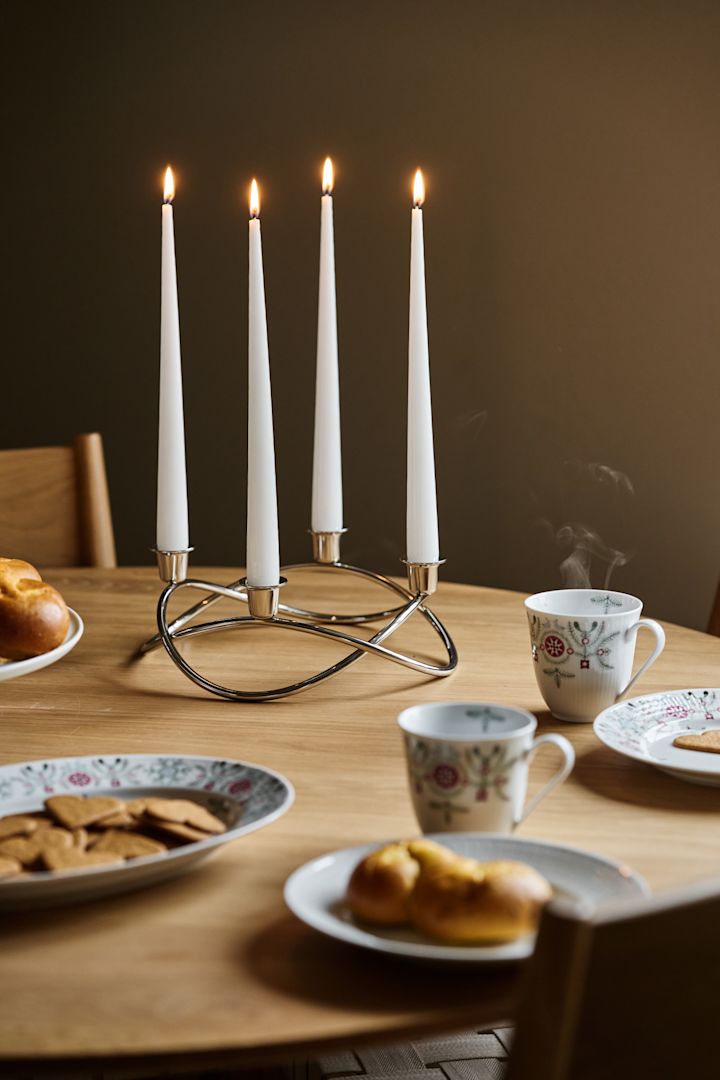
{"points": [[583, 643], [468, 765]]}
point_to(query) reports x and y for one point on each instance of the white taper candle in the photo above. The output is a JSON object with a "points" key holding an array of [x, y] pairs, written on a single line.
{"points": [[263, 549], [172, 507], [422, 522], [327, 506]]}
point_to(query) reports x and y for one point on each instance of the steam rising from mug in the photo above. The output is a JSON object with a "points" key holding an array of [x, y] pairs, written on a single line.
{"points": [[586, 546], [603, 474], [585, 543]]}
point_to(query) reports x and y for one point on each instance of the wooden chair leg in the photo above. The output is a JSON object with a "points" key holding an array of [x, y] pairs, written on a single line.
{"points": [[714, 624], [96, 528]]}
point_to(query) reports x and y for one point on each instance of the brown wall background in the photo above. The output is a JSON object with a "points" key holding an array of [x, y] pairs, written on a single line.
{"points": [[573, 246]]}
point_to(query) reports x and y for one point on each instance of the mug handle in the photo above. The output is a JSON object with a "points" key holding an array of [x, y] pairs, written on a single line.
{"points": [[565, 769], [659, 646]]}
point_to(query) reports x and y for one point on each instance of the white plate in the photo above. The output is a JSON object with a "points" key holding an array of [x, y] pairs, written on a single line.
{"points": [[246, 797], [315, 893], [644, 728], [13, 669]]}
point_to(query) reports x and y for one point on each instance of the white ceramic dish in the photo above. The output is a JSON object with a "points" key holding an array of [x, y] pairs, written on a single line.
{"points": [[315, 893], [644, 728], [13, 669], [246, 797]]}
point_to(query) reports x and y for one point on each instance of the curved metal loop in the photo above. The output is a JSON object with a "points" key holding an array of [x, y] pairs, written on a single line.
{"points": [[168, 634], [287, 609]]}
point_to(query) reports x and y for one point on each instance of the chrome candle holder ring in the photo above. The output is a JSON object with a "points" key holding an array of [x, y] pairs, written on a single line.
{"points": [[265, 609]]}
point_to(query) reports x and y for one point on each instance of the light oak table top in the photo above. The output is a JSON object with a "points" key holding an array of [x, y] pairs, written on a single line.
{"points": [[212, 967]]}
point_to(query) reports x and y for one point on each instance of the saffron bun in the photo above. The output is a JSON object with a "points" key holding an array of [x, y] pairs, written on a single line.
{"points": [[33, 615], [473, 902], [382, 883]]}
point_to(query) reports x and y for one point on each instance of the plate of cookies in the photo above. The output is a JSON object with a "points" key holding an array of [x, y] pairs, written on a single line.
{"points": [[459, 897], [75, 829], [677, 731], [37, 628]]}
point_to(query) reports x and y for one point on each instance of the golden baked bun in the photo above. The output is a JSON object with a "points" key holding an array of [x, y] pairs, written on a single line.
{"points": [[381, 884], [468, 901], [33, 615]]}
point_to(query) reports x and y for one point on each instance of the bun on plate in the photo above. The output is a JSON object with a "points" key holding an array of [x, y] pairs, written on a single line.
{"points": [[381, 884], [447, 895], [469, 901], [33, 615]]}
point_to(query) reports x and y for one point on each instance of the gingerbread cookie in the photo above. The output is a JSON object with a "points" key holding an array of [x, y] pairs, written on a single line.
{"points": [[184, 812], [708, 741], [74, 811], [74, 832], [130, 845]]}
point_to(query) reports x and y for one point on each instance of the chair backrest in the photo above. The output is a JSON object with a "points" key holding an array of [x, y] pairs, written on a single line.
{"points": [[714, 623], [633, 992], [55, 506]]}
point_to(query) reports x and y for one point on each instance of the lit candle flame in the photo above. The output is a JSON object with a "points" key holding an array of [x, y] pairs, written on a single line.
{"points": [[169, 192], [254, 200], [328, 177], [418, 189]]}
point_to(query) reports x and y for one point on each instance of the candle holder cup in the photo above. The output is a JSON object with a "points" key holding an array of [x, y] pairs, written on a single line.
{"points": [[264, 607]]}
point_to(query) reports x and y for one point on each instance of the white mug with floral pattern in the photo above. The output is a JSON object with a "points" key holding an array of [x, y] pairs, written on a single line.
{"points": [[468, 765], [583, 644]]}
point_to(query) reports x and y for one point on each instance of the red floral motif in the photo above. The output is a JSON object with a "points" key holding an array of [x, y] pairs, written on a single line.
{"points": [[584, 663], [238, 786], [554, 646], [79, 779], [679, 712], [446, 776]]}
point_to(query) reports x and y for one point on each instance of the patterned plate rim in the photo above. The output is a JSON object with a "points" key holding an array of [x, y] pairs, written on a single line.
{"points": [[167, 856], [638, 755]]}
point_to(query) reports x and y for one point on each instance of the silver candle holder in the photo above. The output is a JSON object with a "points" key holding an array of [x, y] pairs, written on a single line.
{"points": [[263, 606]]}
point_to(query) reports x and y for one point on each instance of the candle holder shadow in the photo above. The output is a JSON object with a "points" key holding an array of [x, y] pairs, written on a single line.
{"points": [[263, 603]]}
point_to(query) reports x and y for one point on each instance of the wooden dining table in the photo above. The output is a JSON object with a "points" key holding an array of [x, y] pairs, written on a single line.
{"points": [[212, 968]]}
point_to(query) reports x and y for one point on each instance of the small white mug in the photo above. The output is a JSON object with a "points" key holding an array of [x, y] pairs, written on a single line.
{"points": [[468, 765], [583, 643]]}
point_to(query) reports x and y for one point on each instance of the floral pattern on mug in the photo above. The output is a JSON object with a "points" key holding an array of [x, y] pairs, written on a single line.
{"points": [[447, 773], [561, 642]]}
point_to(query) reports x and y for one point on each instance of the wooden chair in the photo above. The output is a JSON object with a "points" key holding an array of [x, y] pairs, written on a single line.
{"points": [[54, 505], [629, 994], [714, 623], [632, 992]]}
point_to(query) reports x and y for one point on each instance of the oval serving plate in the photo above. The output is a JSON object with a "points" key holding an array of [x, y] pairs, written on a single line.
{"points": [[13, 669], [246, 797], [315, 893], [644, 728]]}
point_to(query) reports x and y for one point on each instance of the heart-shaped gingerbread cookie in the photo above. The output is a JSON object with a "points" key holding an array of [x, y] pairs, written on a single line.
{"points": [[127, 844], [74, 811], [709, 741], [72, 859], [28, 849], [184, 812]]}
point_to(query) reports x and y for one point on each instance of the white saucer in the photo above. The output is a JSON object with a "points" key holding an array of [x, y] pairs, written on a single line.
{"points": [[315, 893], [644, 728], [246, 797], [13, 669]]}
